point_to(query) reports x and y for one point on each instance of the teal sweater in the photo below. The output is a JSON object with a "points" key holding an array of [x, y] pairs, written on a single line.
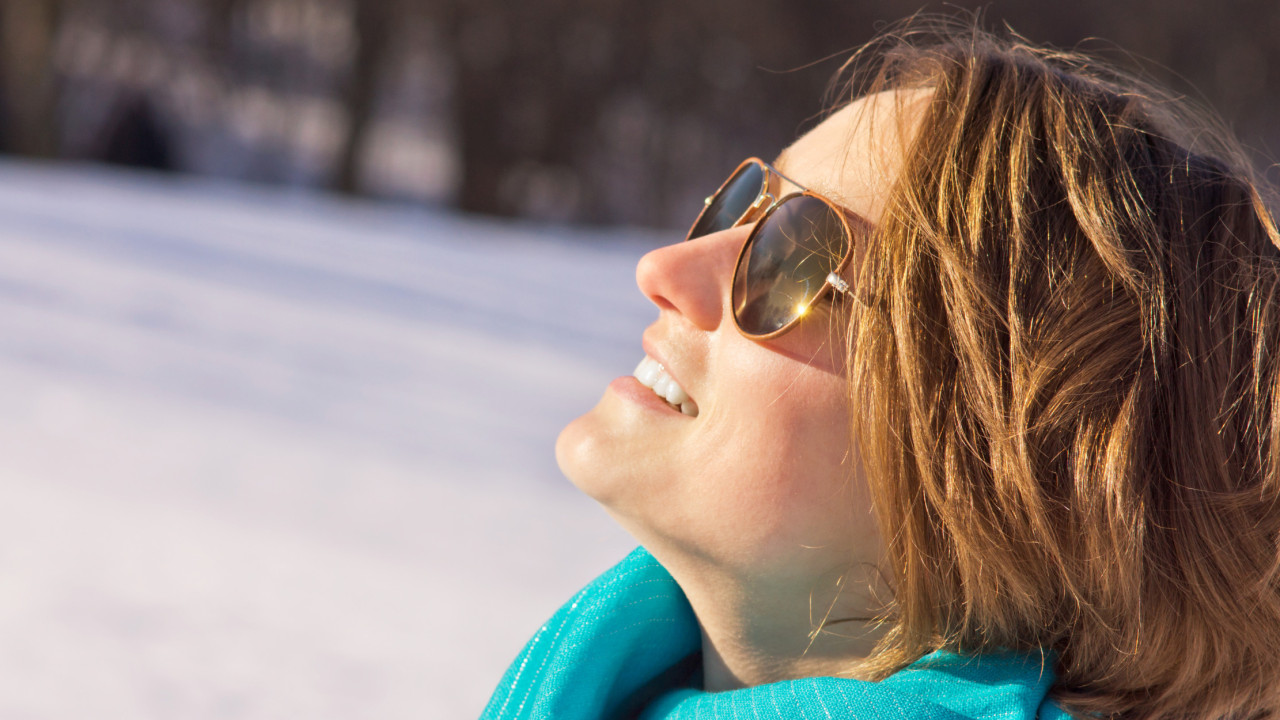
{"points": [[627, 646]]}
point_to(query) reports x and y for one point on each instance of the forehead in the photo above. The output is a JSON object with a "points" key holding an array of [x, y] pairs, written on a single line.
{"points": [[853, 156]]}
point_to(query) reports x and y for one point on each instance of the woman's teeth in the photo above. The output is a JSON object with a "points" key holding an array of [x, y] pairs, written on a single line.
{"points": [[653, 376]]}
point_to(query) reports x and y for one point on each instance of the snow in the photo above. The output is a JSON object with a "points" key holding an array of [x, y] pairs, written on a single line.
{"points": [[268, 455]]}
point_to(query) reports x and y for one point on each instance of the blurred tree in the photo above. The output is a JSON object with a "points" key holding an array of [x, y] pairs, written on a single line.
{"points": [[136, 137], [611, 111], [374, 20], [217, 30], [596, 110], [30, 86]]}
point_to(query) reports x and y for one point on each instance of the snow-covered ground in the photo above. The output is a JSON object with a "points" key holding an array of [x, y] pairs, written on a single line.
{"points": [[273, 456]]}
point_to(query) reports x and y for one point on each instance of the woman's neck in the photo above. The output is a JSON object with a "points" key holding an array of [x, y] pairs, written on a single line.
{"points": [[757, 635]]}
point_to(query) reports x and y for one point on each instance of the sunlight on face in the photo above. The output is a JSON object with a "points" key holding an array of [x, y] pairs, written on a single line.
{"points": [[764, 482]]}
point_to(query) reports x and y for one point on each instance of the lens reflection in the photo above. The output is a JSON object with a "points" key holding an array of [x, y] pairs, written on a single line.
{"points": [[785, 264], [732, 202]]}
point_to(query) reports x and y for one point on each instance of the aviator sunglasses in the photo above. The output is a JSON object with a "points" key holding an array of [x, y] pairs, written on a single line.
{"points": [[793, 256]]}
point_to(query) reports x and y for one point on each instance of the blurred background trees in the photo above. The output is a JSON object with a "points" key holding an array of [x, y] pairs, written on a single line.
{"points": [[599, 111]]}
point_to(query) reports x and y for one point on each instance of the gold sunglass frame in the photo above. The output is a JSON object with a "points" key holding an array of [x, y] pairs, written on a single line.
{"points": [[767, 195], [758, 213]]}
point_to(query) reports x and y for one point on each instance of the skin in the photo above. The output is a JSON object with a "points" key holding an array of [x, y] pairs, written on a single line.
{"points": [[758, 507]]}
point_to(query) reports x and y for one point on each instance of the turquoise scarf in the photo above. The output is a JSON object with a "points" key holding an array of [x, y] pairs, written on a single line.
{"points": [[626, 647]]}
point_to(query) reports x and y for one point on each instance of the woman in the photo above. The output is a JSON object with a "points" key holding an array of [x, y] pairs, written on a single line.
{"points": [[983, 422]]}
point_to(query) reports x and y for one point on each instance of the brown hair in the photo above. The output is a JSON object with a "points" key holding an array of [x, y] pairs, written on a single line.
{"points": [[1065, 378]]}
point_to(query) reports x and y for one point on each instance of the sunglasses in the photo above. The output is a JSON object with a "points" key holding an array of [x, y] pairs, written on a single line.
{"points": [[792, 258]]}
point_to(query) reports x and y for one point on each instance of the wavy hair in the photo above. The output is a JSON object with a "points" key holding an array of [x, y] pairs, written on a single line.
{"points": [[1065, 378]]}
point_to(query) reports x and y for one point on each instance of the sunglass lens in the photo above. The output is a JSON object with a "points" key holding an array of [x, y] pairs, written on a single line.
{"points": [[731, 202], [785, 264]]}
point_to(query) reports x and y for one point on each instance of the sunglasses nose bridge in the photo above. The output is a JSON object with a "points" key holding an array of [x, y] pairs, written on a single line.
{"points": [[758, 208]]}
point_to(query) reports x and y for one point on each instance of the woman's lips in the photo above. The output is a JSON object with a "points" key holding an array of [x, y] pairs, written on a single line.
{"points": [[630, 388], [653, 387], [654, 376]]}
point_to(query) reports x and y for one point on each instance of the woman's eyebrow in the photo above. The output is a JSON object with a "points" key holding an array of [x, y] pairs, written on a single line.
{"points": [[823, 188]]}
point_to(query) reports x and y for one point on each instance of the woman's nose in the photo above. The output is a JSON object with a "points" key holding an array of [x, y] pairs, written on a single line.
{"points": [[693, 277]]}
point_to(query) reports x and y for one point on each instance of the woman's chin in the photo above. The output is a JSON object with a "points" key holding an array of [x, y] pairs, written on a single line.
{"points": [[584, 455], [572, 445], [599, 453]]}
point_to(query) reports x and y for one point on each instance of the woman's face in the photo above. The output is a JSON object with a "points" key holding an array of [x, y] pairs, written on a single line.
{"points": [[764, 480]]}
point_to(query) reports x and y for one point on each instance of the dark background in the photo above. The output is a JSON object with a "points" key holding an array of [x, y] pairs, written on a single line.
{"points": [[596, 111]]}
